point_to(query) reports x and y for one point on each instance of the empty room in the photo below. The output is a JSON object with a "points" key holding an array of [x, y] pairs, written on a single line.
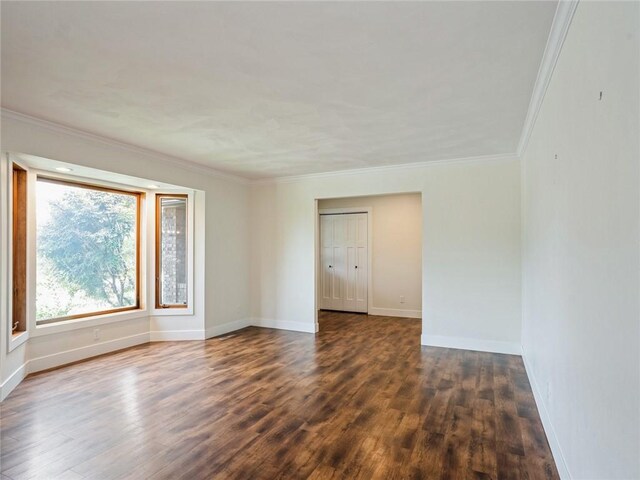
{"points": [[324, 240]]}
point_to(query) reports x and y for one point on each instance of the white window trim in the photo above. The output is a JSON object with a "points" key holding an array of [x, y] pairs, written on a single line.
{"points": [[88, 322], [13, 340]]}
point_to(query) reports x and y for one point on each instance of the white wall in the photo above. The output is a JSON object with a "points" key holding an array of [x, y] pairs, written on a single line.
{"points": [[396, 255], [221, 300], [581, 238], [470, 244]]}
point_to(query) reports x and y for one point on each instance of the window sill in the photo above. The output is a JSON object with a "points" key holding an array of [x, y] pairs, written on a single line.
{"points": [[17, 339], [172, 312], [88, 322]]}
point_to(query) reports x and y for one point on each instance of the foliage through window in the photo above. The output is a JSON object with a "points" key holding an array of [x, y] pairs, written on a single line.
{"points": [[171, 251], [87, 250]]}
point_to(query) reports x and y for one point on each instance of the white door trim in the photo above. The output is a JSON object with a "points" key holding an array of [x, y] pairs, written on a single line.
{"points": [[346, 210], [337, 211]]}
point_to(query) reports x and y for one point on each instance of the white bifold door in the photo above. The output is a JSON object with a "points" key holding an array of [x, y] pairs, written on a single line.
{"points": [[343, 259]]}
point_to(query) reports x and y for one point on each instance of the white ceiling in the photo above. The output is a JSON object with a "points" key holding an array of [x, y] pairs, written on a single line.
{"points": [[272, 89]]}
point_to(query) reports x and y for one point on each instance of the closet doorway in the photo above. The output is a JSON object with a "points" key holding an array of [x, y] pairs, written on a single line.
{"points": [[344, 261]]}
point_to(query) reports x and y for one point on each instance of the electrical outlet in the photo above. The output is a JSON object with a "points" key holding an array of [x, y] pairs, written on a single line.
{"points": [[96, 334], [401, 298]]}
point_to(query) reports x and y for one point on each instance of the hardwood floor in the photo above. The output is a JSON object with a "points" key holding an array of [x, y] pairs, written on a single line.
{"points": [[361, 399]]}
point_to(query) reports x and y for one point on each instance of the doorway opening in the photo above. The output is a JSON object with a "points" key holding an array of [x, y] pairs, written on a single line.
{"points": [[369, 256]]}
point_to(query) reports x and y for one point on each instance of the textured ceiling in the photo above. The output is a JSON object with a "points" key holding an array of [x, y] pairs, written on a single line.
{"points": [[272, 89]]}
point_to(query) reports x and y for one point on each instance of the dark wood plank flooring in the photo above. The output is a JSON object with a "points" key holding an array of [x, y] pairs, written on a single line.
{"points": [[361, 399]]}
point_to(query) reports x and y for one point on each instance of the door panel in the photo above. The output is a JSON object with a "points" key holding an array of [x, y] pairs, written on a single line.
{"points": [[344, 258], [361, 258], [350, 280], [339, 230], [337, 278], [326, 261], [362, 279], [362, 230]]}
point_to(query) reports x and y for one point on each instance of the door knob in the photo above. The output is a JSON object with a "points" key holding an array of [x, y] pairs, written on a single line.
{"points": [[330, 266], [356, 266]]}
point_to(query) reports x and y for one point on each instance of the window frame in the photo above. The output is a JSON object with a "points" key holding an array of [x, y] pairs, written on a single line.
{"points": [[157, 251], [19, 249], [8, 165], [139, 196]]}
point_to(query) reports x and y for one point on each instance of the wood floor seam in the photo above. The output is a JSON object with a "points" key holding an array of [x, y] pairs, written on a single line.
{"points": [[361, 399]]}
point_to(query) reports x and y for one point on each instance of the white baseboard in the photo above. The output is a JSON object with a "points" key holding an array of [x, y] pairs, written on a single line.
{"points": [[552, 438], [227, 327], [395, 312], [68, 356], [88, 351], [285, 325], [492, 346], [175, 335], [13, 381]]}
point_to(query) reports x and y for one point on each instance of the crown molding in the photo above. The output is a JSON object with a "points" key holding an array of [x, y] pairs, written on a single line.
{"points": [[559, 28], [389, 168], [166, 159]]}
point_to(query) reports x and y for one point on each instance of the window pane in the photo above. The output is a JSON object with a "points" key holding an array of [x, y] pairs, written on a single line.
{"points": [[86, 250], [172, 252]]}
